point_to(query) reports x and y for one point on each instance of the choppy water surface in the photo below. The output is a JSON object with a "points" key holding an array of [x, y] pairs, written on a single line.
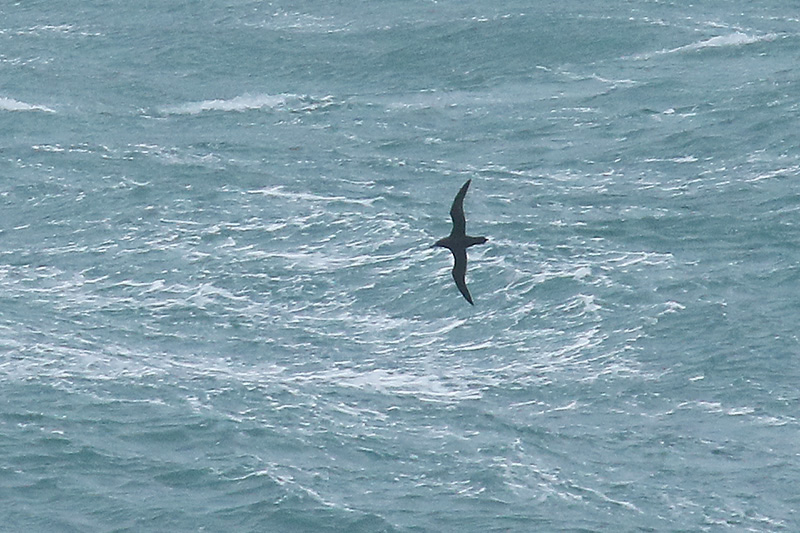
{"points": [[219, 308]]}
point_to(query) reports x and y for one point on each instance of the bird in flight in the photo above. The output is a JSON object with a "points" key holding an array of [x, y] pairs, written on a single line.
{"points": [[458, 241]]}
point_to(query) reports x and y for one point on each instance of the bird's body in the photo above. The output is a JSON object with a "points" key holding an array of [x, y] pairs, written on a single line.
{"points": [[458, 241]]}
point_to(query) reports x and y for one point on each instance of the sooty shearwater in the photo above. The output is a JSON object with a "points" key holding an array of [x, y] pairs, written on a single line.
{"points": [[458, 241]]}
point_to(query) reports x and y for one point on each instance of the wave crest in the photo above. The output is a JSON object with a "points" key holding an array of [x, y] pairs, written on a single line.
{"points": [[720, 41], [241, 103], [9, 104]]}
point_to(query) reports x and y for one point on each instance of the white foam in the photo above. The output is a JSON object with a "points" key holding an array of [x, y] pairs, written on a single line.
{"points": [[734, 39], [720, 41], [9, 104], [776, 173], [241, 103], [396, 382], [280, 192]]}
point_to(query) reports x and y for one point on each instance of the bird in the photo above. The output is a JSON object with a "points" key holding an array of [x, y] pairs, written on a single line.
{"points": [[458, 241]]}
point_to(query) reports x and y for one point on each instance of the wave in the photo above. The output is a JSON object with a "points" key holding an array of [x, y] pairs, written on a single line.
{"points": [[241, 103], [734, 39], [9, 104], [720, 41]]}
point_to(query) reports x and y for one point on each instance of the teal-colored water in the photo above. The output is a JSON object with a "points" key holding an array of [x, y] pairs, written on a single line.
{"points": [[219, 308]]}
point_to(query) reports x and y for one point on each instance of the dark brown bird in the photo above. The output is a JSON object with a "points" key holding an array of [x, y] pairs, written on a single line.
{"points": [[458, 241]]}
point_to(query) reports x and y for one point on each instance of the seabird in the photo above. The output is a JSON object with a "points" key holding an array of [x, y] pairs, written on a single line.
{"points": [[458, 241]]}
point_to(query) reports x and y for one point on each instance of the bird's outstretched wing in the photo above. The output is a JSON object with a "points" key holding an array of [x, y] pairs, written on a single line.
{"points": [[457, 214], [460, 270]]}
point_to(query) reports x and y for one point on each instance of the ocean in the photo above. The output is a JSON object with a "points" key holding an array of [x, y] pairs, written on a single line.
{"points": [[220, 309]]}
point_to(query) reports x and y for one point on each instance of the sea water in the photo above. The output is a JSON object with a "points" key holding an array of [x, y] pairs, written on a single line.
{"points": [[220, 311]]}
